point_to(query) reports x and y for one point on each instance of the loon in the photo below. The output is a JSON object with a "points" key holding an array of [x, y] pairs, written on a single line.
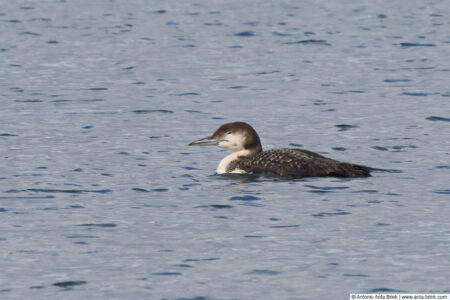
{"points": [[249, 158]]}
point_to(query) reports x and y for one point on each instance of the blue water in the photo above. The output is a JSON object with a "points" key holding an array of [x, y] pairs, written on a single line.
{"points": [[101, 198]]}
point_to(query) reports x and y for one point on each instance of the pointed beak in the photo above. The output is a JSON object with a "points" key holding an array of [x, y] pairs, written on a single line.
{"points": [[208, 141]]}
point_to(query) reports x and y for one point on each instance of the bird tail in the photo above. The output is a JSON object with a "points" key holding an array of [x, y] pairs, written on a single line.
{"points": [[351, 170]]}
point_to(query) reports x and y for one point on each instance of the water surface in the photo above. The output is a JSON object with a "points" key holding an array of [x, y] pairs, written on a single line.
{"points": [[101, 198]]}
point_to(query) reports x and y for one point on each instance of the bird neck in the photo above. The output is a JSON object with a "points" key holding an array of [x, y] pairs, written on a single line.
{"points": [[225, 163]]}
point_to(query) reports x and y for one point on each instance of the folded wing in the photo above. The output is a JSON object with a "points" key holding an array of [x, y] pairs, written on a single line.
{"points": [[297, 163]]}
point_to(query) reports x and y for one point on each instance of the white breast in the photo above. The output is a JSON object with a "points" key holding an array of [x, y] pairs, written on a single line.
{"points": [[223, 165]]}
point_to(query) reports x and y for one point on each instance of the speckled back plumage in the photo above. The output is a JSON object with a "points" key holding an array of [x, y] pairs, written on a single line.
{"points": [[297, 163]]}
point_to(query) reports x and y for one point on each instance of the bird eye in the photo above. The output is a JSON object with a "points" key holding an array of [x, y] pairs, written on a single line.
{"points": [[229, 132]]}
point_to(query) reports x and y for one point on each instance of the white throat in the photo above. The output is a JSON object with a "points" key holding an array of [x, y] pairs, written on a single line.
{"points": [[223, 165]]}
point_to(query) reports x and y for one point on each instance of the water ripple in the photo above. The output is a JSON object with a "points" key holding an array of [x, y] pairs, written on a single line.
{"points": [[245, 198], [105, 191], [149, 111], [245, 33], [406, 45], [264, 272], [435, 118], [309, 42], [69, 284]]}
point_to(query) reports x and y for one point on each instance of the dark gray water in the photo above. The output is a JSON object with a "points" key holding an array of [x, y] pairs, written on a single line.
{"points": [[101, 198]]}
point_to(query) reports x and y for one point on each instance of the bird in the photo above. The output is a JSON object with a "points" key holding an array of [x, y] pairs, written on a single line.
{"points": [[248, 157]]}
